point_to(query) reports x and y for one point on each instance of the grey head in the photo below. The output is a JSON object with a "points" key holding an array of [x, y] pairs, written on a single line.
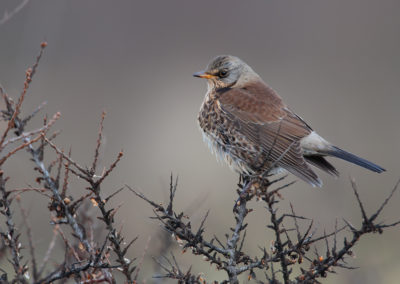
{"points": [[226, 71]]}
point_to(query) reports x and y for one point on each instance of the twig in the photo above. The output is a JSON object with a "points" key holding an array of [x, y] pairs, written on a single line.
{"points": [[28, 79], [49, 250], [34, 132], [20, 147], [240, 214], [98, 144], [8, 15], [30, 240], [11, 237], [110, 169], [70, 161], [142, 258], [278, 241]]}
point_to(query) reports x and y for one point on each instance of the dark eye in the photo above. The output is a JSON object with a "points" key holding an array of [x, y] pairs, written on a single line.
{"points": [[223, 73]]}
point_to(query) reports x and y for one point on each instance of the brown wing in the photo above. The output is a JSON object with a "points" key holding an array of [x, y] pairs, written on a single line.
{"points": [[264, 119]]}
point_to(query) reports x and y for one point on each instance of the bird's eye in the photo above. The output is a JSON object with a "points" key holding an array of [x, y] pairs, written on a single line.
{"points": [[223, 73]]}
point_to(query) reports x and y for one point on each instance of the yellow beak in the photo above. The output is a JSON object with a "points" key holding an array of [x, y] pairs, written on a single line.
{"points": [[203, 74]]}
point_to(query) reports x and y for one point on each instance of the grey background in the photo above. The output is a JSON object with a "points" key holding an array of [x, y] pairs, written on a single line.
{"points": [[336, 63]]}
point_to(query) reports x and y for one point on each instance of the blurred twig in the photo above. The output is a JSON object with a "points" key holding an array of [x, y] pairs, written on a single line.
{"points": [[8, 15], [91, 261]]}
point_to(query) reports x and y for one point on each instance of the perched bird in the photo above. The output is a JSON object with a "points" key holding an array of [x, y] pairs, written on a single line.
{"points": [[247, 124]]}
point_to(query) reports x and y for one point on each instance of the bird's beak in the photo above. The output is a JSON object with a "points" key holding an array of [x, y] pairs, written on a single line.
{"points": [[204, 74]]}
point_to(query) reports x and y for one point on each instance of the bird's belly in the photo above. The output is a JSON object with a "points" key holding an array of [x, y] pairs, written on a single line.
{"points": [[225, 153], [239, 154]]}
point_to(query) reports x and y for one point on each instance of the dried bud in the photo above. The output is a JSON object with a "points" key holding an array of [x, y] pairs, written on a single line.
{"points": [[28, 73], [300, 260], [94, 202], [81, 247]]}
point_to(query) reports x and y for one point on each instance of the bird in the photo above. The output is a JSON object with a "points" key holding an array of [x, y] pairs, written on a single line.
{"points": [[248, 125]]}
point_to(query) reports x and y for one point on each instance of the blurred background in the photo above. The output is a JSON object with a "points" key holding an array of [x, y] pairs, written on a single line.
{"points": [[335, 63]]}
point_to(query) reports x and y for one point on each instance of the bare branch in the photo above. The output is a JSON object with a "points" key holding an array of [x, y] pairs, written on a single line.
{"points": [[98, 144]]}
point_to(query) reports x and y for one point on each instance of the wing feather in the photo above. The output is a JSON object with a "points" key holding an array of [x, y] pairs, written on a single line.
{"points": [[260, 115]]}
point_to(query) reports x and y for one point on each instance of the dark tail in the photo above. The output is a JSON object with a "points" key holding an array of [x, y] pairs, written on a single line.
{"points": [[339, 153], [322, 164]]}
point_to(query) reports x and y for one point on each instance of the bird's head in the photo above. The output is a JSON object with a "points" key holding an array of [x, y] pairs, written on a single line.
{"points": [[226, 71]]}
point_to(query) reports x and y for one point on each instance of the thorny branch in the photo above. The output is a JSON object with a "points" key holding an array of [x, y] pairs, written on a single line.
{"points": [[336, 257], [11, 236], [290, 246], [92, 260]]}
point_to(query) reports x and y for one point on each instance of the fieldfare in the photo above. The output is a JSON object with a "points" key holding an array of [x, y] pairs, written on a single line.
{"points": [[247, 124]]}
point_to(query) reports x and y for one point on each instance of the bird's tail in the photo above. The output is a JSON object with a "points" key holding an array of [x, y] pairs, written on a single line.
{"points": [[339, 153]]}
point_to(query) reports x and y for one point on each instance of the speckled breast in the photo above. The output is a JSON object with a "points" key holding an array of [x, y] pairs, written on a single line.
{"points": [[224, 140]]}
